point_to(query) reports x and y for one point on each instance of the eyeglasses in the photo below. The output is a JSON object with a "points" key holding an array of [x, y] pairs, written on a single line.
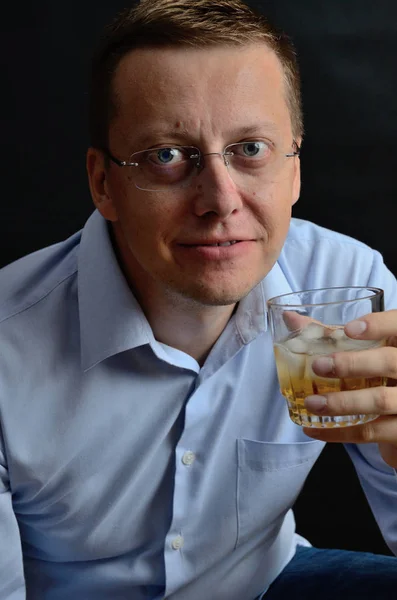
{"points": [[251, 164]]}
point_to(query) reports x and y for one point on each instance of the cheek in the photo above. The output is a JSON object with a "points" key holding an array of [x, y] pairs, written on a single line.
{"points": [[273, 212], [147, 222]]}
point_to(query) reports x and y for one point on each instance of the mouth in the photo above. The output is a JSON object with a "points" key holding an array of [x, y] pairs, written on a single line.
{"points": [[217, 251], [216, 244], [212, 244]]}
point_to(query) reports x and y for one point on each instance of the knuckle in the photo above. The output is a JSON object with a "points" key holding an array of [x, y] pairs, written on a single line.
{"points": [[344, 363], [383, 400], [343, 403], [390, 356], [368, 434], [339, 362]]}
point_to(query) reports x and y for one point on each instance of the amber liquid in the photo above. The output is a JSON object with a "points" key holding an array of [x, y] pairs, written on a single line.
{"points": [[297, 381]]}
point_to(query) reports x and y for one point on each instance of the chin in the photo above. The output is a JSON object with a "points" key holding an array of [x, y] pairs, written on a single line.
{"points": [[217, 295]]}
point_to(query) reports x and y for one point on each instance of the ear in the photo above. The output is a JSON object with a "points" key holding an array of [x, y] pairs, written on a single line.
{"points": [[296, 184], [98, 176]]}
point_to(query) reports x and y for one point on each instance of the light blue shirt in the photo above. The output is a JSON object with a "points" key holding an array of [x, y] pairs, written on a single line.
{"points": [[129, 472]]}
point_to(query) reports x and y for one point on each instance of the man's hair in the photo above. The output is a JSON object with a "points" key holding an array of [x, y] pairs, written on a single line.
{"points": [[189, 23]]}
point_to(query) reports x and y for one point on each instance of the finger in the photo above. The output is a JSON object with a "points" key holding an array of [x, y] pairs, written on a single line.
{"points": [[377, 362], [296, 322], [370, 401], [382, 429], [375, 326]]}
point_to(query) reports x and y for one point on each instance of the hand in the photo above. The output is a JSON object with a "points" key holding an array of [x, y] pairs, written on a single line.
{"points": [[379, 362]]}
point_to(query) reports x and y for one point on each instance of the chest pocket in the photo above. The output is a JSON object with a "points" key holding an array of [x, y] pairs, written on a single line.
{"points": [[269, 479]]}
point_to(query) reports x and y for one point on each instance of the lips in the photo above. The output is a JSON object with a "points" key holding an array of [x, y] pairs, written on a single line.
{"points": [[220, 244], [210, 251], [213, 244]]}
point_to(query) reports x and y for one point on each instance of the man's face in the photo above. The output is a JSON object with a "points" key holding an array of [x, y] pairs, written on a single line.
{"points": [[205, 98]]}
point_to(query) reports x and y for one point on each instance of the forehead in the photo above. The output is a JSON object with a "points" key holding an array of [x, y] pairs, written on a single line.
{"points": [[206, 90]]}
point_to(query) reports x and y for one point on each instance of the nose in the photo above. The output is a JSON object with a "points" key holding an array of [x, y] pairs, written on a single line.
{"points": [[216, 191]]}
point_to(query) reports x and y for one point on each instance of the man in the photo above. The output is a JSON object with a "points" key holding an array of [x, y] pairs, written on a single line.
{"points": [[146, 451]]}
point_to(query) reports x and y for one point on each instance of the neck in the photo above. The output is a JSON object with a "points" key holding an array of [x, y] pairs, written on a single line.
{"points": [[177, 321], [184, 324]]}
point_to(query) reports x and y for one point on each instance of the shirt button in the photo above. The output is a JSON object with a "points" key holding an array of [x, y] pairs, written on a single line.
{"points": [[177, 543], [188, 458]]}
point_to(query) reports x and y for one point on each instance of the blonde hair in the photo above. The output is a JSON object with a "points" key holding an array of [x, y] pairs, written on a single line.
{"points": [[195, 23]]}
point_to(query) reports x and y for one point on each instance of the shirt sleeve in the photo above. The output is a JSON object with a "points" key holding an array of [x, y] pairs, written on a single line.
{"points": [[378, 479], [12, 581]]}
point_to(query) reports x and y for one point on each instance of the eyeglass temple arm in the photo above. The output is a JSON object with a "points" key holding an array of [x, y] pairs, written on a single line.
{"points": [[296, 152], [119, 163]]}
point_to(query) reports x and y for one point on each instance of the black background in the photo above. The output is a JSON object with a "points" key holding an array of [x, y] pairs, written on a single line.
{"points": [[347, 51]]}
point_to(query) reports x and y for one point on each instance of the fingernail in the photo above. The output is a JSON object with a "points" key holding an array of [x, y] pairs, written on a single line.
{"points": [[323, 365], [315, 403], [355, 328]]}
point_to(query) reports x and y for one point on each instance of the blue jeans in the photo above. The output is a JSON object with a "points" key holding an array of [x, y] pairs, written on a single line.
{"points": [[317, 574]]}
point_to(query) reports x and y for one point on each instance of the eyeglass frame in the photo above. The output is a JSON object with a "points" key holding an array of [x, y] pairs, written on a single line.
{"points": [[199, 155]]}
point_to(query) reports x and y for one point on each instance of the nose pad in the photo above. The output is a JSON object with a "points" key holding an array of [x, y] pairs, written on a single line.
{"points": [[226, 159]]}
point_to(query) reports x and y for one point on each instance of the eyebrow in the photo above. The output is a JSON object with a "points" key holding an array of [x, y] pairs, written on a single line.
{"points": [[151, 135], [268, 126]]}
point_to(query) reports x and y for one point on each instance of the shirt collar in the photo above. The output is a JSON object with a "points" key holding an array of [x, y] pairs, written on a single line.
{"points": [[251, 315], [111, 320]]}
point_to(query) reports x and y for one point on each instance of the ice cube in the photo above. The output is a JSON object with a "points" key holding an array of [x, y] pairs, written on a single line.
{"points": [[338, 335], [322, 346], [296, 345], [313, 331], [289, 364]]}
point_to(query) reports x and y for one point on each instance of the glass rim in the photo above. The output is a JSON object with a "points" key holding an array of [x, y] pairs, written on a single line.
{"points": [[377, 292]]}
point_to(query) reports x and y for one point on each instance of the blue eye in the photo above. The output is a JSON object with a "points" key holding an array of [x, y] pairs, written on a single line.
{"points": [[165, 155], [253, 148]]}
